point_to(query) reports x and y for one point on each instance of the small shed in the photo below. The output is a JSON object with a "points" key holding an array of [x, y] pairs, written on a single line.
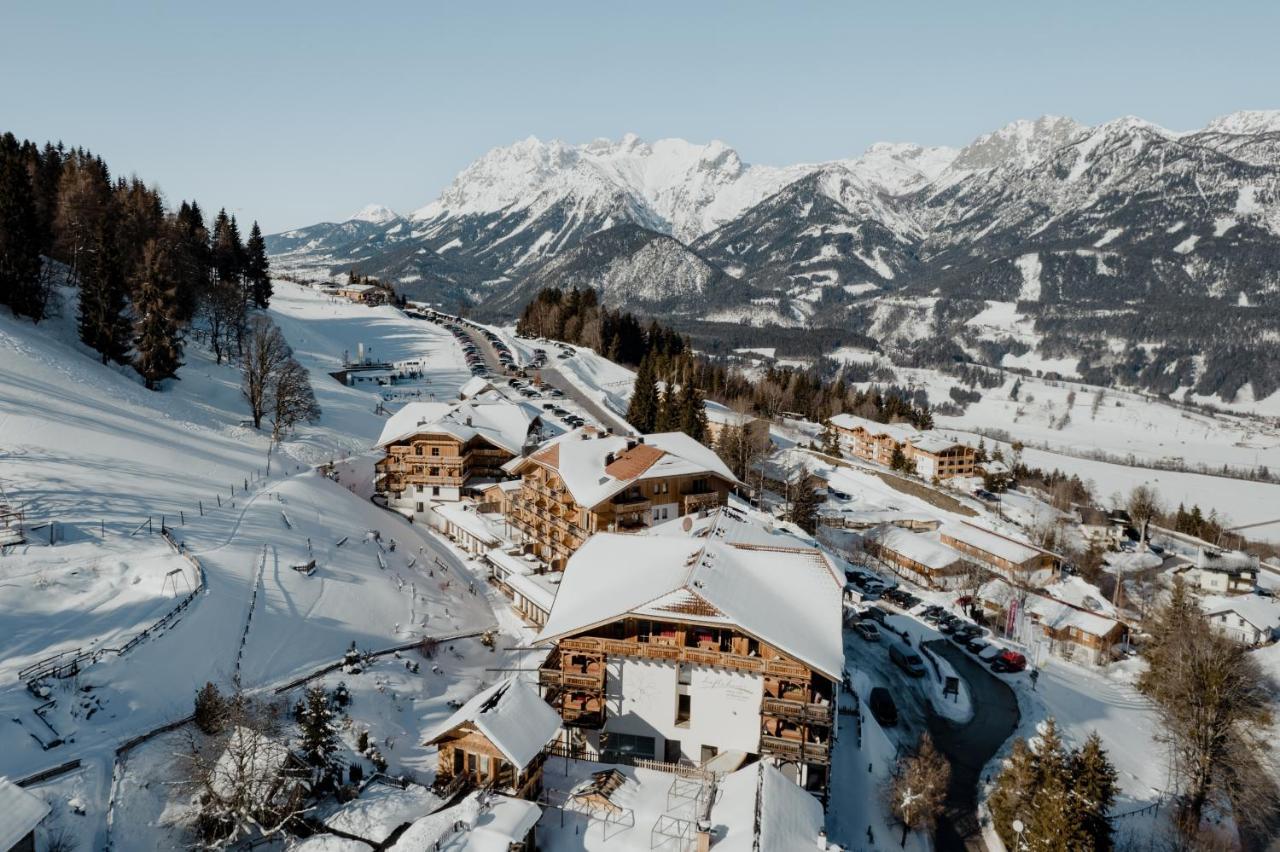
{"points": [[20, 813]]}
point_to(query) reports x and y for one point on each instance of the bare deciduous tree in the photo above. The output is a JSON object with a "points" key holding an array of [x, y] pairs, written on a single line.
{"points": [[264, 356], [292, 400], [1143, 506], [918, 791]]}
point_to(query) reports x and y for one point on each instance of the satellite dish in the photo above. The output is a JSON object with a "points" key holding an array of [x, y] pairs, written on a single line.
{"points": [[687, 523]]}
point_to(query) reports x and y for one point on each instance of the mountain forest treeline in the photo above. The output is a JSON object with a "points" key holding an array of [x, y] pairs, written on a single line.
{"points": [[146, 274], [672, 379]]}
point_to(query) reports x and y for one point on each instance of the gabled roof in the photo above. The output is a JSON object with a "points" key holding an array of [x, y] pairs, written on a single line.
{"points": [[511, 716], [992, 542], [1262, 613], [737, 527], [595, 468], [504, 424], [923, 548], [788, 599], [20, 812], [929, 442], [900, 432], [474, 386]]}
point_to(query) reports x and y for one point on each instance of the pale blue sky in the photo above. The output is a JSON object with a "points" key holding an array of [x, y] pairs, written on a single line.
{"points": [[299, 112]]}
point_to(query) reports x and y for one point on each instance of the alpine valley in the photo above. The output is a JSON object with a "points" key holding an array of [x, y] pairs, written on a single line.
{"points": [[1123, 254]]}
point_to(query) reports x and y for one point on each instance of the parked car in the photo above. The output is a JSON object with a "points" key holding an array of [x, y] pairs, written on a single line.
{"points": [[976, 645], [1009, 661], [907, 660], [882, 707], [867, 631], [874, 613]]}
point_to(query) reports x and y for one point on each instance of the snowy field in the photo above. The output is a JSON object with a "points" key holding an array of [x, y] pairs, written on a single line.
{"points": [[87, 447]]}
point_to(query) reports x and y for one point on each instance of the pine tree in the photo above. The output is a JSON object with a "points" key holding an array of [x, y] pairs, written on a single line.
{"points": [[102, 323], [1094, 787], [668, 417], [319, 734], [1014, 787], [210, 709], [20, 284], [157, 340], [194, 261], [1051, 819], [805, 504], [257, 269], [693, 411], [642, 412], [830, 439]]}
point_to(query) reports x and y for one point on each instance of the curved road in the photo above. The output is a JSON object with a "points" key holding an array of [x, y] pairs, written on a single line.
{"points": [[970, 746]]}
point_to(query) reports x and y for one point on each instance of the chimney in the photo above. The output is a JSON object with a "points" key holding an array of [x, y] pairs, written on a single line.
{"points": [[631, 445], [639, 439], [468, 419], [608, 459]]}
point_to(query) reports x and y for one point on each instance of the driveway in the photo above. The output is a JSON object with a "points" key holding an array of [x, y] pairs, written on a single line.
{"points": [[970, 746]]}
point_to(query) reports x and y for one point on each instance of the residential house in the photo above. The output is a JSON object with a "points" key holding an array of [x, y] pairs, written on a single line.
{"points": [[587, 481], [20, 813], [719, 416], [482, 822], [676, 649], [495, 741], [367, 294], [531, 588], [435, 450], [1071, 618], [1101, 528], [1228, 572], [1018, 560], [935, 457], [922, 557], [1249, 619]]}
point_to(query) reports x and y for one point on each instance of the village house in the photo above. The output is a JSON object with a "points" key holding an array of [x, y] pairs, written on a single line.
{"points": [[495, 741], [525, 580], [433, 451], [1101, 528], [934, 456], [720, 416], [368, 294], [711, 649], [922, 557], [1219, 572], [1017, 560], [587, 481], [1071, 617], [481, 822], [1249, 619], [20, 813]]}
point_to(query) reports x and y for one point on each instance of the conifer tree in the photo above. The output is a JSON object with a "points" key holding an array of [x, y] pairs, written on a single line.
{"points": [[830, 439], [1094, 784], [319, 734], [210, 709], [642, 412], [1014, 787], [693, 411], [157, 340], [20, 284], [668, 417], [1051, 818], [102, 323], [257, 269], [805, 503], [194, 261]]}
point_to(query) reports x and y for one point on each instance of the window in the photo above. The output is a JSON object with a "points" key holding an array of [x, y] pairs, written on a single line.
{"points": [[435, 451], [435, 491], [684, 708], [417, 450], [435, 471], [630, 745], [420, 506], [684, 675]]}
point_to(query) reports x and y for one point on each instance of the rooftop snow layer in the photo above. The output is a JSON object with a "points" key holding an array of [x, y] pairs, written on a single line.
{"points": [[791, 600], [923, 548], [504, 424], [512, 716], [20, 812]]}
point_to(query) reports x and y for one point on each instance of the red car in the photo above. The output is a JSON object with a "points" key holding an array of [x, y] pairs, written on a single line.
{"points": [[1009, 661]]}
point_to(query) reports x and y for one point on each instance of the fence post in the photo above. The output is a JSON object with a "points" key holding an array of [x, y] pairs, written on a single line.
{"points": [[201, 502], [182, 517], [148, 524], [219, 501]]}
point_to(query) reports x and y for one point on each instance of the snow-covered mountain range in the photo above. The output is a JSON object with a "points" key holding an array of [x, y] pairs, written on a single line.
{"points": [[1107, 238]]}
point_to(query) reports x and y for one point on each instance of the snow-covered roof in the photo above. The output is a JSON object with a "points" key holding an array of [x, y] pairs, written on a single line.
{"points": [[1059, 616], [726, 416], [539, 589], [474, 386], [1262, 613], [737, 527], [511, 563], [1228, 561], [479, 823], [899, 432], [788, 817], [380, 810], [930, 442], [458, 514], [597, 466], [357, 288], [992, 542], [504, 424], [1071, 603], [1081, 593], [20, 812], [789, 599], [924, 548], [511, 716]]}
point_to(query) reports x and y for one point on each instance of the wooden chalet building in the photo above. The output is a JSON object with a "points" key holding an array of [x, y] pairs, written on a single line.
{"points": [[433, 451], [1018, 560], [921, 557], [587, 481], [935, 457], [1071, 617], [495, 741], [680, 649]]}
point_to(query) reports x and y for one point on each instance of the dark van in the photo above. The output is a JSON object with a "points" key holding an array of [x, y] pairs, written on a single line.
{"points": [[907, 660]]}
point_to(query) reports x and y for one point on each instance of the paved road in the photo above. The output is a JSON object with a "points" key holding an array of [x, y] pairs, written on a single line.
{"points": [[970, 746]]}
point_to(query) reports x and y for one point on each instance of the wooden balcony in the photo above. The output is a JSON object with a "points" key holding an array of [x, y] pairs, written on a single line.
{"points": [[697, 502], [586, 682], [798, 711], [693, 656], [794, 749]]}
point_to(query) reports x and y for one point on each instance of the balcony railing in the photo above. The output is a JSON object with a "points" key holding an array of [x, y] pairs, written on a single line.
{"points": [[587, 682], [797, 710], [698, 502], [795, 749], [693, 656]]}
